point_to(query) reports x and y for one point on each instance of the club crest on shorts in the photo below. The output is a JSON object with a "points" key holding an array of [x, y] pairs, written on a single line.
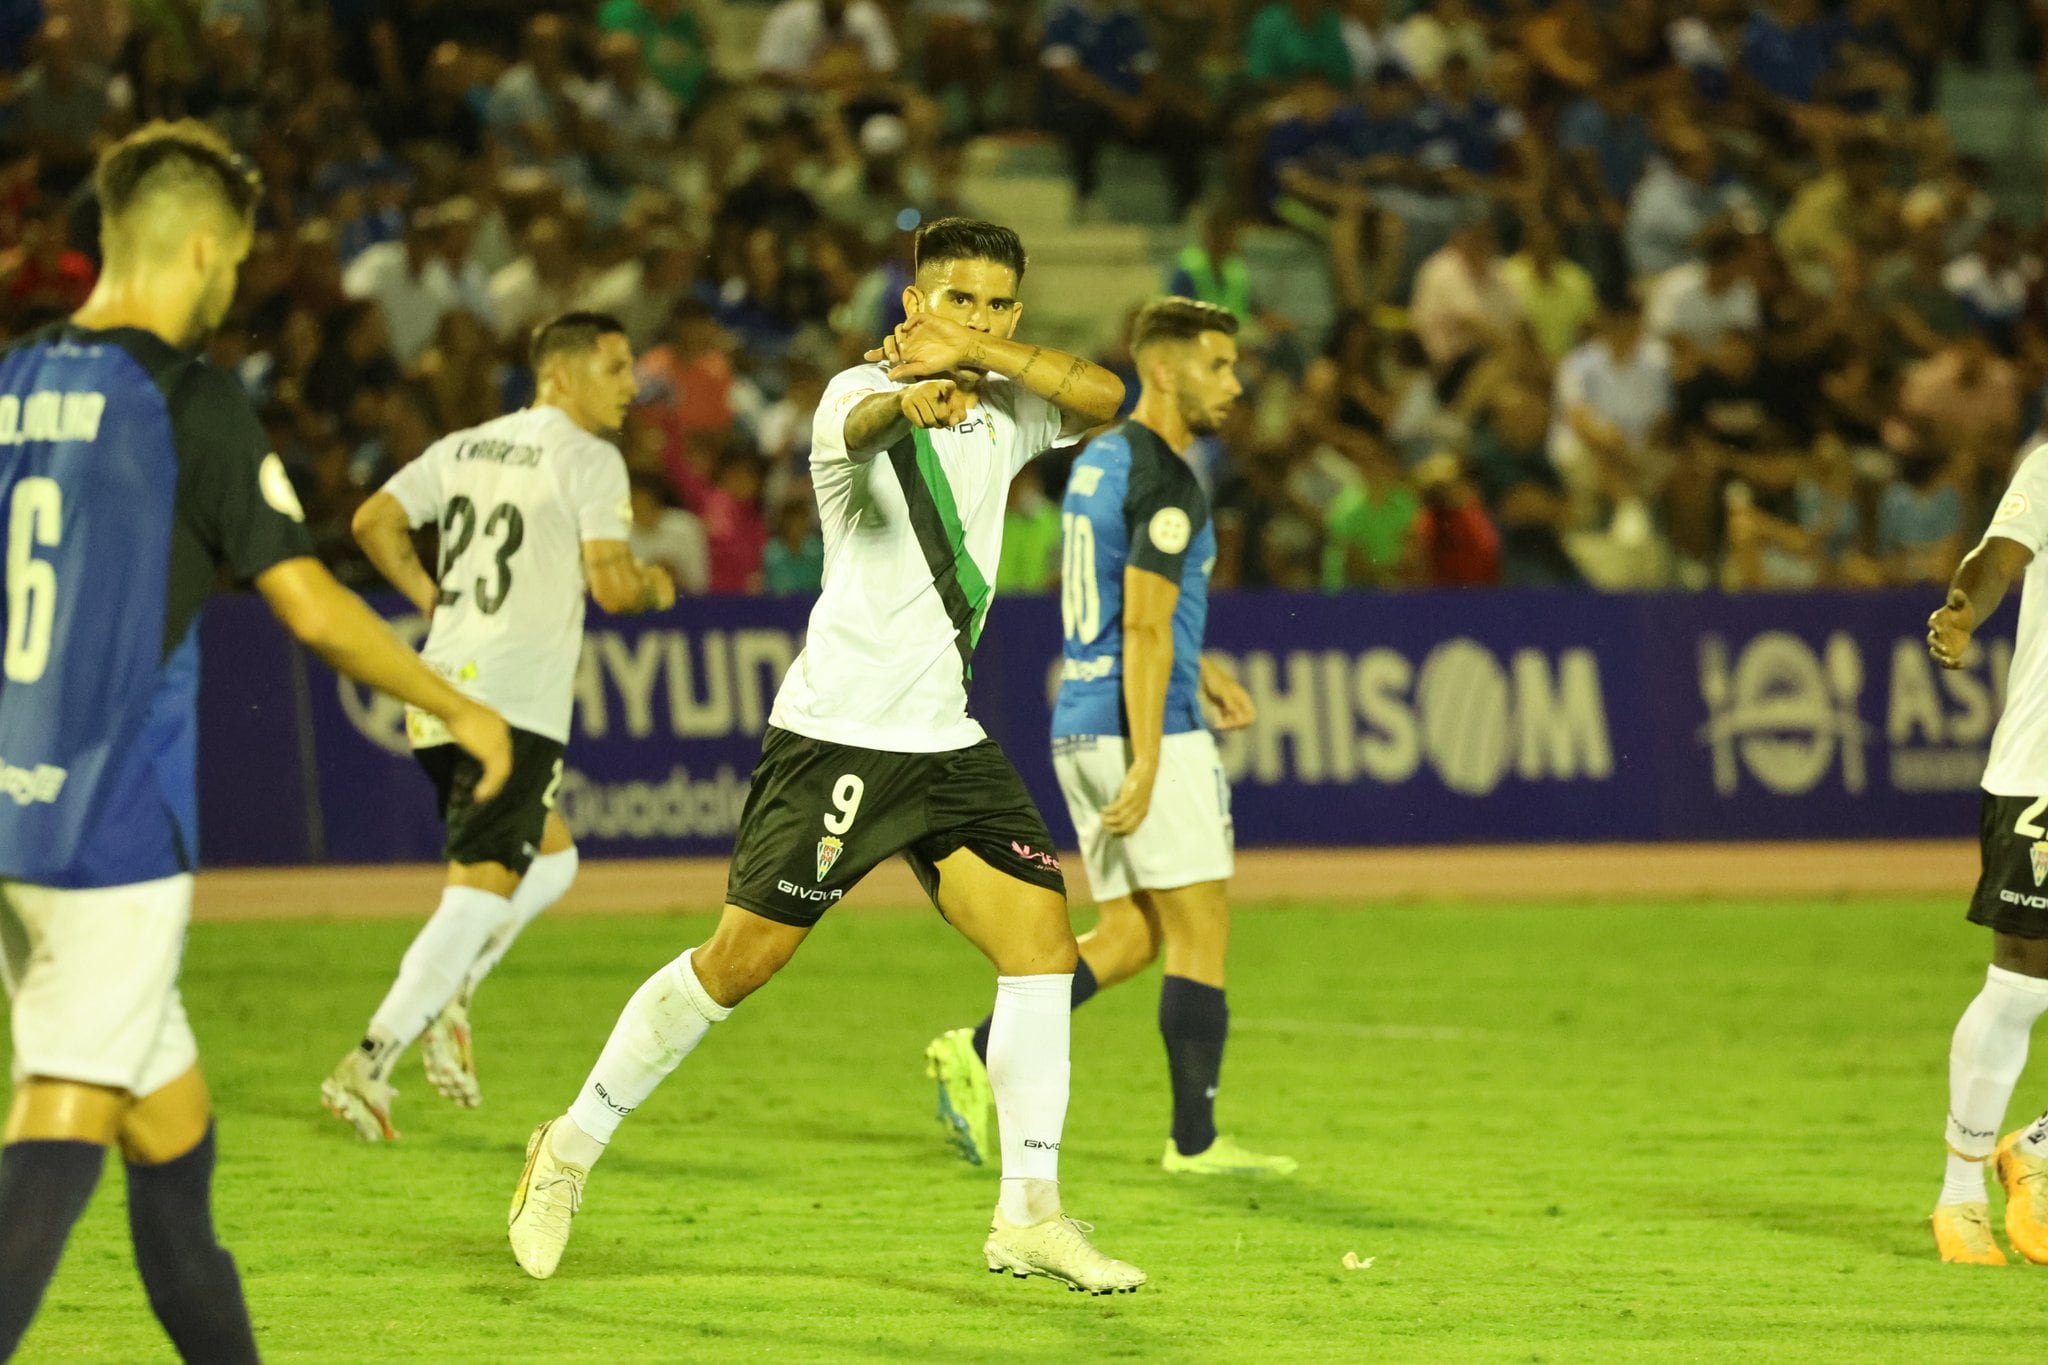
{"points": [[2038, 857], [829, 849]]}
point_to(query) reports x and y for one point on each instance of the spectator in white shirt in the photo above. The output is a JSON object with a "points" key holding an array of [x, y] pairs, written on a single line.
{"points": [[1612, 408], [1691, 305], [1462, 303], [1992, 282], [634, 118], [423, 277], [533, 105], [665, 534], [538, 285], [814, 42]]}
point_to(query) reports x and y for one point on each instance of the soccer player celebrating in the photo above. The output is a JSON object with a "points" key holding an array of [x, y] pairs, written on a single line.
{"points": [[131, 474], [1989, 1049], [531, 507], [870, 750], [1135, 760]]}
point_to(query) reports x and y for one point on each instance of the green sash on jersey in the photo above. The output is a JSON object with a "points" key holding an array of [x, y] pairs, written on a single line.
{"points": [[935, 517]]}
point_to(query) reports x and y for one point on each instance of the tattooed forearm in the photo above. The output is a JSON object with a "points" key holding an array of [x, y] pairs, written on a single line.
{"points": [[1074, 372], [1037, 353]]}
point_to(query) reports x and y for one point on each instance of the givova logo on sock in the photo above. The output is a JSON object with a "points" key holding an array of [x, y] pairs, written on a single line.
{"points": [[1037, 1146]]}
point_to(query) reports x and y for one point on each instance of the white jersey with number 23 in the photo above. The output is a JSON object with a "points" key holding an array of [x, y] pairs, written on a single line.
{"points": [[514, 499]]}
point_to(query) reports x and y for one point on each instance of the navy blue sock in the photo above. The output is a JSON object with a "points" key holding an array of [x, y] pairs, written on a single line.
{"points": [[1084, 991], [1194, 1021], [192, 1283], [44, 1186]]}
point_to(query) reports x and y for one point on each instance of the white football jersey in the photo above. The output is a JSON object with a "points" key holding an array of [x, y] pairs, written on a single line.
{"points": [[911, 543], [2019, 747], [515, 499]]}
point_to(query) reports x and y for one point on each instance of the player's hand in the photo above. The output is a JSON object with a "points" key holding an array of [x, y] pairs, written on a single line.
{"points": [[1234, 708], [1133, 800], [925, 346], [663, 585], [934, 403], [1948, 630], [481, 731]]}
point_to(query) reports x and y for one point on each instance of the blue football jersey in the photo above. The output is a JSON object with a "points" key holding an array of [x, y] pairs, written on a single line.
{"points": [[1130, 503], [131, 473]]}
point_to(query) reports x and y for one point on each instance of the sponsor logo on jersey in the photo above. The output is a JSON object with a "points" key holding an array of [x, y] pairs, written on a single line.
{"points": [[32, 786], [2038, 856], [1170, 529], [829, 849], [2014, 507], [1032, 855], [1088, 670], [806, 893], [1085, 480]]}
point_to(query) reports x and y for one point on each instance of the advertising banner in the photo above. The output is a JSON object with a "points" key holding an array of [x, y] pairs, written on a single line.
{"points": [[1415, 718]]}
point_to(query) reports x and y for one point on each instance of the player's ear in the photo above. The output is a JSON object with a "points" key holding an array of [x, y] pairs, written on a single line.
{"points": [[913, 301], [1016, 316]]}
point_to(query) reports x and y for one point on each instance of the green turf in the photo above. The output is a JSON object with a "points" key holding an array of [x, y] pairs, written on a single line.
{"points": [[1663, 1132]]}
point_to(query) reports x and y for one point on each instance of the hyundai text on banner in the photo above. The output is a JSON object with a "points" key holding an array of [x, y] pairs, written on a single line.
{"points": [[1402, 719]]}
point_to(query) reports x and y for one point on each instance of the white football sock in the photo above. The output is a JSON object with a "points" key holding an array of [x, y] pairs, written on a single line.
{"points": [[1028, 1070], [667, 1017], [432, 969], [546, 881], [1985, 1059]]}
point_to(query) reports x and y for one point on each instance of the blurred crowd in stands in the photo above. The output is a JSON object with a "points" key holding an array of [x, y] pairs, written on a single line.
{"points": [[1636, 293]]}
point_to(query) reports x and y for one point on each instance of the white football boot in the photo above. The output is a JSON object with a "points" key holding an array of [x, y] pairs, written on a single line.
{"points": [[550, 1191], [359, 1099], [446, 1055], [1058, 1249]]}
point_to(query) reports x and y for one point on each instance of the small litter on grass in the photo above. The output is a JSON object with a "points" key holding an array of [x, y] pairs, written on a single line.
{"points": [[1353, 1261]]}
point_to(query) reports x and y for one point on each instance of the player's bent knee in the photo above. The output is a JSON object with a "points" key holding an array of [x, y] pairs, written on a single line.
{"points": [[744, 954], [46, 1109], [168, 1123]]}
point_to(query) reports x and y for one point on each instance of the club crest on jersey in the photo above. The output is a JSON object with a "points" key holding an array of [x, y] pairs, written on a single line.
{"points": [[829, 849], [2038, 856]]}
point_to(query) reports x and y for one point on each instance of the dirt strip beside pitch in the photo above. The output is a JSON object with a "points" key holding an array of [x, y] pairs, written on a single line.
{"points": [[1497, 873]]}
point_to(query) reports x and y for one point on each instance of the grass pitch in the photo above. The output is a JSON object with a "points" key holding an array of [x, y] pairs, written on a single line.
{"points": [[1655, 1132]]}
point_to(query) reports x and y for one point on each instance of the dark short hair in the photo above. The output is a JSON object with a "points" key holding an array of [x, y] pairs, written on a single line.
{"points": [[187, 153], [570, 332], [966, 239], [1179, 319]]}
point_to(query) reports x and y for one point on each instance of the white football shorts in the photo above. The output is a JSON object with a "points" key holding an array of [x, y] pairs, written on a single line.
{"points": [[1187, 836], [92, 977]]}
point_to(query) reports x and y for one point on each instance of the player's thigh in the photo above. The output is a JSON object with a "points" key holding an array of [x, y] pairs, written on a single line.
{"points": [[985, 858], [92, 979], [556, 836], [1187, 837], [2011, 897], [1021, 927], [1090, 769], [818, 818], [507, 831], [1195, 921]]}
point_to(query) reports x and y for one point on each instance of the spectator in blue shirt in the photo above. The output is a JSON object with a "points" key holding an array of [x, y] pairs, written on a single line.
{"points": [[1463, 131], [1100, 86], [1788, 48], [1607, 143], [1312, 153]]}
